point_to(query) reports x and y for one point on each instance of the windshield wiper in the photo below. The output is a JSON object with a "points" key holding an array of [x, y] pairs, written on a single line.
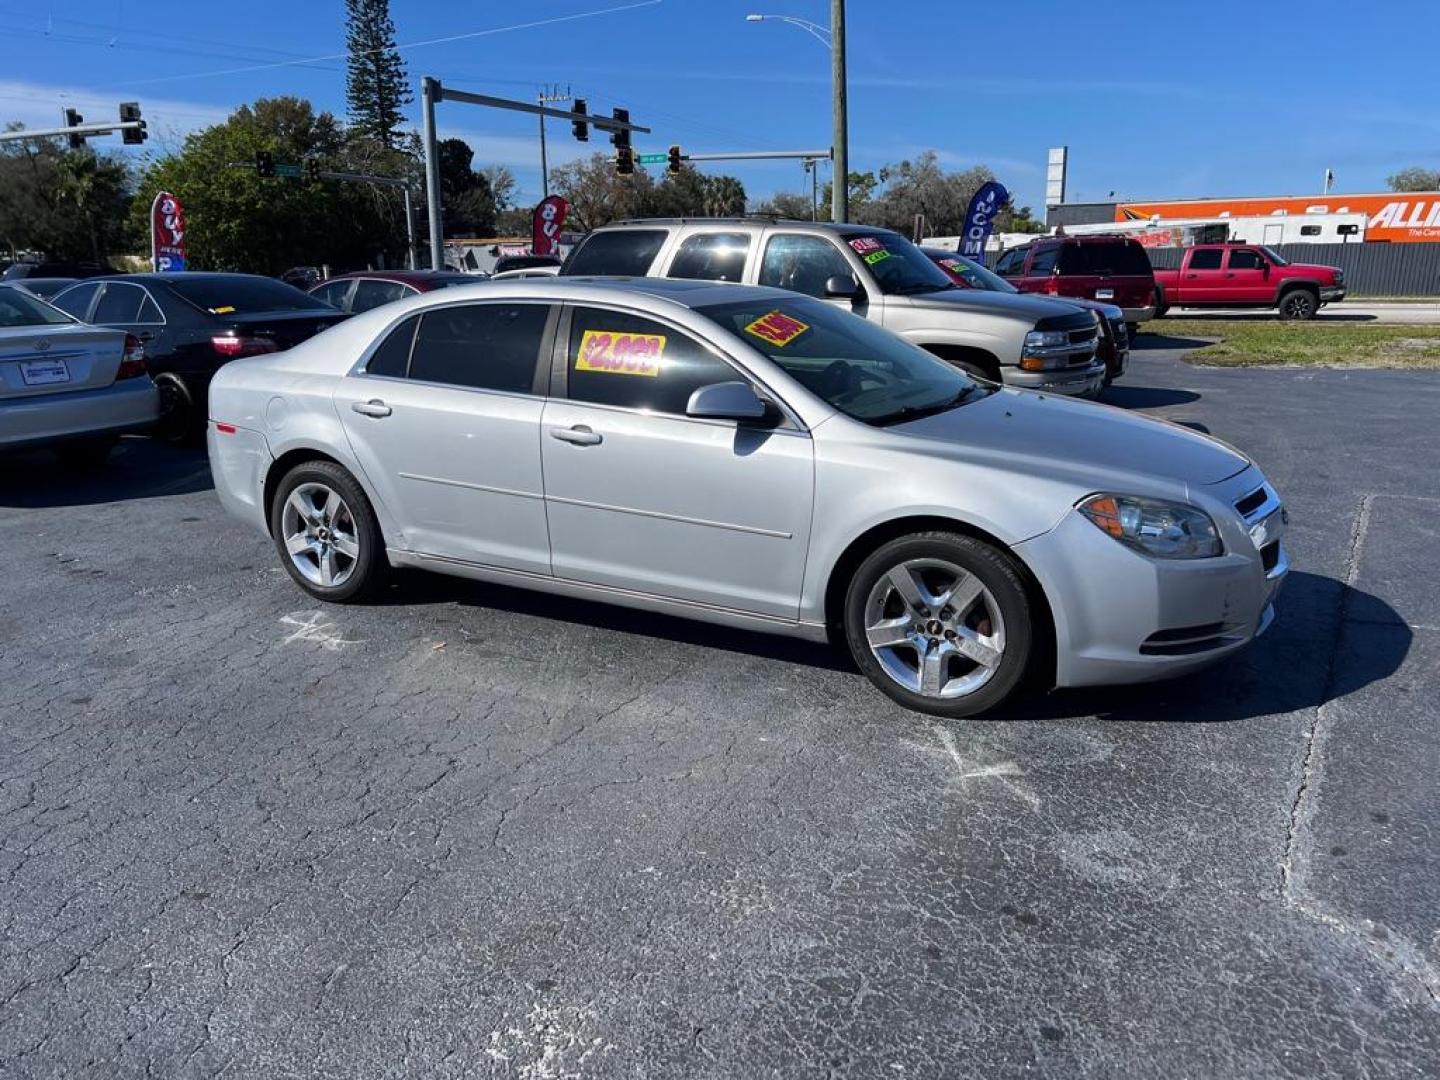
{"points": [[906, 413]]}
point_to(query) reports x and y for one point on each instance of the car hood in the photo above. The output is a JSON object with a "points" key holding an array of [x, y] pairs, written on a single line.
{"points": [[1046, 432], [1314, 269], [1019, 305]]}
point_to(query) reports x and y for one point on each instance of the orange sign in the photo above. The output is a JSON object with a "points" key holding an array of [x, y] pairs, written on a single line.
{"points": [[620, 354], [1402, 217], [777, 328]]}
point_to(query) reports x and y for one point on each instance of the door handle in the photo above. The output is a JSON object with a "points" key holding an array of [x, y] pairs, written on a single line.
{"points": [[374, 407], [579, 435]]}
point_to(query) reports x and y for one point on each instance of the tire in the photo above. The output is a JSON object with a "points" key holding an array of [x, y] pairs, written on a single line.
{"points": [[886, 633], [304, 511], [1299, 304], [179, 418], [1132, 330], [1160, 306], [86, 455]]}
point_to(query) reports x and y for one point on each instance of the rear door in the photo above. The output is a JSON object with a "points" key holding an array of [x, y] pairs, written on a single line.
{"points": [[444, 418], [1246, 276], [1202, 278], [642, 497]]}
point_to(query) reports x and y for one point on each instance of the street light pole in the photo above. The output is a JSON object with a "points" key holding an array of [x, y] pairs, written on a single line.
{"points": [[840, 184]]}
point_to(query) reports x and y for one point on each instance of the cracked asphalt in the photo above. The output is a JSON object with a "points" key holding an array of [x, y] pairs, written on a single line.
{"points": [[478, 832]]}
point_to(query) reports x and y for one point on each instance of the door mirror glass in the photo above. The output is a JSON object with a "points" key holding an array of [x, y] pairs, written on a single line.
{"points": [[843, 287], [728, 401]]}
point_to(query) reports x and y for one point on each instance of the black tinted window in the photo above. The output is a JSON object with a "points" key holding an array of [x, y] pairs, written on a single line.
{"points": [[1011, 263], [486, 346], [229, 294], [76, 301], [333, 293], [1205, 259], [1246, 260], [622, 253], [1044, 261], [119, 304], [620, 359], [393, 356], [1123, 257], [712, 257]]}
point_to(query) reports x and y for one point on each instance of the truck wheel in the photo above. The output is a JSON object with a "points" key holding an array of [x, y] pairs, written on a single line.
{"points": [[1299, 304], [1160, 306]]}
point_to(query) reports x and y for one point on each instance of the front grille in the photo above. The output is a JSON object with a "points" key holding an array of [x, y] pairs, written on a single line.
{"points": [[1252, 502], [1186, 640]]}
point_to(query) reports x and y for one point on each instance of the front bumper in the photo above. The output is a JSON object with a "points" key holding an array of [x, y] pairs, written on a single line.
{"points": [[1333, 294], [1122, 617], [51, 419], [1069, 381]]}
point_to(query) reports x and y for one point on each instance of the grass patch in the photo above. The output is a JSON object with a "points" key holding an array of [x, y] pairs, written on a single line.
{"points": [[1296, 344]]}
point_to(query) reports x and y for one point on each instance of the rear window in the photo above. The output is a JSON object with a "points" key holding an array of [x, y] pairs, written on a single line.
{"points": [[620, 253], [242, 295], [19, 308], [1125, 257]]}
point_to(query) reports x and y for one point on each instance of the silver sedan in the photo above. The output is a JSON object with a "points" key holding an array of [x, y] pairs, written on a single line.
{"points": [[66, 386], [751, 457]]}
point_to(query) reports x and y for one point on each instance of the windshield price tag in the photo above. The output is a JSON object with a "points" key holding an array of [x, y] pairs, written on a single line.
{"points": [[865, 244], [876, 256], [620, 354], [777, 328]]}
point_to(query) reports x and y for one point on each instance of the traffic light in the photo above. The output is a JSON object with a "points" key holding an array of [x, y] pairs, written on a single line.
{"points": [[624, 161], [580, 127], [74, 119], [620, 137], [265, 163], [130, 112], [676, 158], [312, 171]]}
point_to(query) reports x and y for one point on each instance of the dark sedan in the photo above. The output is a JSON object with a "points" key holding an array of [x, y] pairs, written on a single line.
{"points": [[366, 289], [1114, 345], [192, 323]]}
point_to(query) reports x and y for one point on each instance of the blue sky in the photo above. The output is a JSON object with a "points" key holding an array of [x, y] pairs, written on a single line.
{"points": [[1153, 99]]}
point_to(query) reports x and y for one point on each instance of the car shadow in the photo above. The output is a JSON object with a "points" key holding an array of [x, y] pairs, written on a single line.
{"points": [[1322, 315], [138, 468], [1153, 339], [1286, 670], [1145, 397]]}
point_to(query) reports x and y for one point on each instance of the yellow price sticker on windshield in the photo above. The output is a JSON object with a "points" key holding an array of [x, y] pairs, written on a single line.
{"points": [[226, 310], [620, 354], [777, 328]]}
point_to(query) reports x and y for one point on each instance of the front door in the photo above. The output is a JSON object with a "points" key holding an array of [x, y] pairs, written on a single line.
{"points": [[642, 497], [1247, 277], [445, 421]]}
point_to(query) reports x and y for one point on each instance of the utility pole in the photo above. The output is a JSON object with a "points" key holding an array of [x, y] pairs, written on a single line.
{"points": [[548, 95], [840, 187], [429, 92]]}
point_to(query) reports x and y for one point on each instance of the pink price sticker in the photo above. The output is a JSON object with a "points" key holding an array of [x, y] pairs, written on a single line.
{"points": [[865, 244]]}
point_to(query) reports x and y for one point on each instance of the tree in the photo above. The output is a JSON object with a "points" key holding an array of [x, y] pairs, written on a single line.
{"points": [[1022, 220], [376, 85], [1415, 178], [792, 205], [860, 190], [238, 221], [597, 196], [468, 196], [70, 204]]}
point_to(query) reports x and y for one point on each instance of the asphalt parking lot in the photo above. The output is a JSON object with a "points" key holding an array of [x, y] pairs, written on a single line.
{"points": [[475, 832]]}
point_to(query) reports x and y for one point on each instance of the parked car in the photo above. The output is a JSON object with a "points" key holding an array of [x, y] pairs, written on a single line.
{"points": [[523, 262], [1114, 344], [756, 458], [191, 323], [43, 287], [1025, 341], [67, 387], [1247, 276], [366, 289], [524, 272], [55, 269], [1114, 269]]}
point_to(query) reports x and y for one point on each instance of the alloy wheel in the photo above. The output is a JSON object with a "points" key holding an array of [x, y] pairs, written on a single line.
{"points": [[934, 628], [320, 535]]}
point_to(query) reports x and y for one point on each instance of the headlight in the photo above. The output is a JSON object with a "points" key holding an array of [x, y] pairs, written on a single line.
{"points": [[1161, 529], [1044, 339]]}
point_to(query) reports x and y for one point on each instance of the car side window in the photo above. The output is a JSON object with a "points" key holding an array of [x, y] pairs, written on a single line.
{"points": [[712, 256], [1011, 263], [370, 293], [1244, 259], [1044, 261], [392, 357], [333, 293], [629, 361], [1205, 259], [119, 303], [482, 346], [622, 252], [150, 311], [75, 301], [802, 263]]}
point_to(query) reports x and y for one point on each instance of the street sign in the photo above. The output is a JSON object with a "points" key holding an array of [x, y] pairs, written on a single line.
{"points": [[289, 170], [652, 159]]}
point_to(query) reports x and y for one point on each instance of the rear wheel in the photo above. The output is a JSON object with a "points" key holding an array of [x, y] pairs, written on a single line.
{"points": [[86, 454], [941, 623], [1299, 304], [179, 418], [326, 533]]}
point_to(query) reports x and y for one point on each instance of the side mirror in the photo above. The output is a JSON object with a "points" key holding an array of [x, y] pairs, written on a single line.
{"points": [[728, 401], [843, 287], [1265, 267]]}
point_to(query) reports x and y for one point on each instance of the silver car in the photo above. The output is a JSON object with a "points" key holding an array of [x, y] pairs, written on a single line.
{"points": [[751, 457], [66, 386]]}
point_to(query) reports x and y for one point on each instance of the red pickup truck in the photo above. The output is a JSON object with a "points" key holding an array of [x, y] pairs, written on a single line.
{"points": [[1247, 276]]}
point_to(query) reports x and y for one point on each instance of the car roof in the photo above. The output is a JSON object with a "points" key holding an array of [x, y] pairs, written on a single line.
{"points": [[755, 222], [182, 275], [685, 292], [404, 277]]}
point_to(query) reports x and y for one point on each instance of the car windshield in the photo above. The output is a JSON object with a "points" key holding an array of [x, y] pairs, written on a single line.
{"points": [[19, 308], [241, 294], [852, 364], [898, 266], [970, 273], [1275, 257]]}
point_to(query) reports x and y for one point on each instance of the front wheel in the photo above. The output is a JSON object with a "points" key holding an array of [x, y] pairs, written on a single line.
{"points": [[327, 534], [1298, 304], [941, 623]]}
